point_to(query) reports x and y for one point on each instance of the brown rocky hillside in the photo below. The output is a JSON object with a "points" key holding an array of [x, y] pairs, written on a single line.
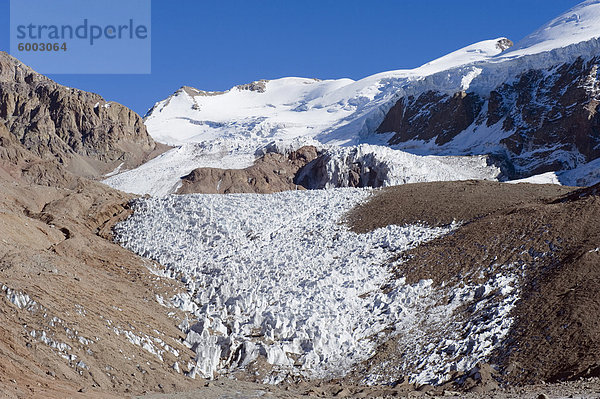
{"points": [[81, 130], [549, 236], [80, 316]]}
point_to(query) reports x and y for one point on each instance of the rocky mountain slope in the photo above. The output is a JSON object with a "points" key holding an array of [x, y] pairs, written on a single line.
{"points": [[81, 130], [79, 313], [547, 240], [544, 120], [65, 329]]}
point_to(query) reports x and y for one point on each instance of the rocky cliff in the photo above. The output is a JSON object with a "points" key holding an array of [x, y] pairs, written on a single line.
{"points": [[81, 130], [271, 173], [544, 119]]}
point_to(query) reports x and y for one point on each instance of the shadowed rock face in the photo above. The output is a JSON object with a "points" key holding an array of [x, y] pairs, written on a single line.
{"points": [[81, 130], [550, 117], [431, 115], [551, 109]]}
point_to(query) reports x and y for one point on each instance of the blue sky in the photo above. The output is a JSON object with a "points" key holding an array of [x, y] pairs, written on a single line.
{"points": [[214, 45]]}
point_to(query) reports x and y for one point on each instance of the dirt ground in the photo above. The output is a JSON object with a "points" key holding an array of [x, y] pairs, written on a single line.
{"points": [[551, 235], [441, 203], [76, 308], [228, 389]]}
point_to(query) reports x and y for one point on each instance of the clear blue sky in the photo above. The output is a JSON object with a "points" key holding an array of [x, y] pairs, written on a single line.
{"points": [[213, 45]]}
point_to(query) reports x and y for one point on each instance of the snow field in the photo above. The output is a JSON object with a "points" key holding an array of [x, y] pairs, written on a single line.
{"points": [[162, 175]]}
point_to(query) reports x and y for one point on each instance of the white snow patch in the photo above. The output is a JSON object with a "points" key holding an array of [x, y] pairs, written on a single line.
{"points": [[43, 337], [18, 298], [153, 345], [116, 171], [161, 175], [544, 178]]}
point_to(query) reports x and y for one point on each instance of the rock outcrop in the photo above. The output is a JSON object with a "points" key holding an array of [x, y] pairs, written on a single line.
{"points": [[271, 173], [431, 116], [545, 120], [17, 163], [80, 130]]}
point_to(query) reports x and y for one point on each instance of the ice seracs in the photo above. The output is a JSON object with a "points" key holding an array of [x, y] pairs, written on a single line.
{"points": [[301, 290]]}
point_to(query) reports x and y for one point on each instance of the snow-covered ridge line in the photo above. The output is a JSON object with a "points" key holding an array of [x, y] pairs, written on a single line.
{"points": [[345, 111], [292, 107], [497, 72], [578, 24], [365, 102]]}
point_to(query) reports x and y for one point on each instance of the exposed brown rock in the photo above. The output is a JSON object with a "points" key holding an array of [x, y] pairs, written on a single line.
{"points": [[81, 130], [557, 111], [431, 115], [441, 203], [20, 164], [551, 117], [504, 44], [259, 86], [271, 173]]}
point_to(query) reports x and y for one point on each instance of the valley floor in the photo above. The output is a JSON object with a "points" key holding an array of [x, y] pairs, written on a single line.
{"points": [[228, 389]]}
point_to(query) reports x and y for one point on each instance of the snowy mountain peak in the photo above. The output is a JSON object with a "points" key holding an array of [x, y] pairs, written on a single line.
{"points": [[579, 24], [476, 52], [416, 110]]}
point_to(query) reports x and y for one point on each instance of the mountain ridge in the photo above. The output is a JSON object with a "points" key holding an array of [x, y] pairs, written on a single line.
{"points": [[89, 135]]}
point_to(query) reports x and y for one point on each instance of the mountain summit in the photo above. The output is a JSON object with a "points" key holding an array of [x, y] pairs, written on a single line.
{"points": [[579, 24]]}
